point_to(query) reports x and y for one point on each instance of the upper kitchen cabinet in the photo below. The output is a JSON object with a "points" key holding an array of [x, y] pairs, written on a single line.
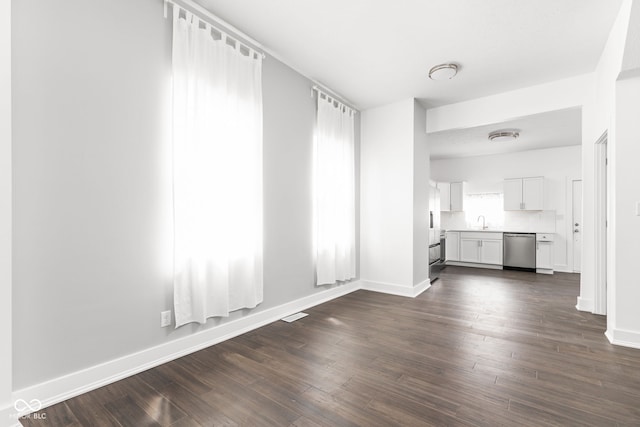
{"points": [[524, 194], [451, 196]]}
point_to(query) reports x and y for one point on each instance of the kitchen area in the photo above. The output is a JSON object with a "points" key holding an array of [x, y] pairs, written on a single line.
{"points": [[515, 211], [482, 246]]}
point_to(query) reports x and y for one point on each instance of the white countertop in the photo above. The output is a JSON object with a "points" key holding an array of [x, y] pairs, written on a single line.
{"points": [[495, 230]]}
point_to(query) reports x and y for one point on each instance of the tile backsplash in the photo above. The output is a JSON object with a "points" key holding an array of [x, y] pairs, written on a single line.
{"points": [[524, 221]]}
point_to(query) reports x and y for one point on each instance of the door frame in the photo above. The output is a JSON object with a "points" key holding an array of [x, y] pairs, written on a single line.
{"points": [[600, 224]]}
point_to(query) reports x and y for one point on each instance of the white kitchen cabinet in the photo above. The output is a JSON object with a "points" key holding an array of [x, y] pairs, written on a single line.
{"points": [[524, 194], [512, 194], [533, 193], [452, 246], [469, 249], [491, 251], [457, 196], [544, 253], [481, 247], [451, 196], [445, 196]]}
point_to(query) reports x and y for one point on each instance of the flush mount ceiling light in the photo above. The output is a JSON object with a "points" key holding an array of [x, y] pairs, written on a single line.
{"points": [[443, 72], [503, 135]]}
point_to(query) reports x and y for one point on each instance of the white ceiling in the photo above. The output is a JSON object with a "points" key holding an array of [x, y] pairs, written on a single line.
{"points": [[546, 130], [374, 52]]}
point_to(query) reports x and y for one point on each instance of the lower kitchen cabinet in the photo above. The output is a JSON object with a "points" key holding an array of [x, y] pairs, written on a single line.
{"points": [[491, 251], [475, 248], [452, 246], [469, 249], [544, 253], [481, 247]]}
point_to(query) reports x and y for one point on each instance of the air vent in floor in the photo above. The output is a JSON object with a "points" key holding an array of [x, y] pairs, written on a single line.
{"points": [[294, 317]]}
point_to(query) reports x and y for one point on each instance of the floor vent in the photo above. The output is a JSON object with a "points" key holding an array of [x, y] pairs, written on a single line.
{"points": [[294, 317]]}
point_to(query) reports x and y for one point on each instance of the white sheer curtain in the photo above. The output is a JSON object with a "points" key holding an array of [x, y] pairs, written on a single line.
{"points": [[334, 192], [217, 173]]}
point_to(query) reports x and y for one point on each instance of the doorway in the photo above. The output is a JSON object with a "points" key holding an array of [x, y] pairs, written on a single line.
{"points": [[576, 196]]}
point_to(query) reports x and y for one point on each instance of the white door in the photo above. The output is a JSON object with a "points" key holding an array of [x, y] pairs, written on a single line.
{"points": [[577, 225]]}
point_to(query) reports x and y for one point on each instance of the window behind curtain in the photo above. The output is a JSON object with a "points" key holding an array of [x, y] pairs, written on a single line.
{"points": [[217, 172], [334, 183]]}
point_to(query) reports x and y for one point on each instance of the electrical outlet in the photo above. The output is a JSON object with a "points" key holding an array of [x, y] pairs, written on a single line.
{"points": [[165, 319]]}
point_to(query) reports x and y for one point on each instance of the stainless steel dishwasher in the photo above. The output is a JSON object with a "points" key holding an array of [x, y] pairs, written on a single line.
{"points": [[519, 251]]}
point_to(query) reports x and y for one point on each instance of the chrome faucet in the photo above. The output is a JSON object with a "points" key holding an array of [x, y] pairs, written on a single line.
{"points": [[484, 227]]}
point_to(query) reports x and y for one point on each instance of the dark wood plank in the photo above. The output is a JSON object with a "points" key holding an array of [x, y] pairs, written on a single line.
{"points": [[480, 347], [129, 414], [56, 415]]}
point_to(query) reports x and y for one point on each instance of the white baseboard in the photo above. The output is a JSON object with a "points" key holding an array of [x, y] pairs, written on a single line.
{"points": [[474, 265], [395, 289], [584, 304], [74, 384], [559, 270], [421, 287], [623, 337]]}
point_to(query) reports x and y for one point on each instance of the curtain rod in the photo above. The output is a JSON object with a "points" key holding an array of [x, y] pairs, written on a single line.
{"points": [[328, 92], [260, 49], [202, 12]]}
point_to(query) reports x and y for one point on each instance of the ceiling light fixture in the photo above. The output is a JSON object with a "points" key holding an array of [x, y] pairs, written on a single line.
{"points": [[504, 135], [443, 72]]}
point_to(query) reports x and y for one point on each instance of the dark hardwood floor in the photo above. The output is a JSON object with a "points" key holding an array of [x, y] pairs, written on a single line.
{"points": [[481, 347]]}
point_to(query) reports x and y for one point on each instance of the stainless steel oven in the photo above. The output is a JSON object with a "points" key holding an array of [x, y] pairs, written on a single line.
{"points": [[436, 258]]}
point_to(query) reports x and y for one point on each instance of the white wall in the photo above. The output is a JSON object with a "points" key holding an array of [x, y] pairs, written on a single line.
{"points": [[598, 116], [485, 174], [5, 211], [501, 107], [612, 105], [394, 224], [626, 324], [421, 168], [386, 194], [92, 246]]}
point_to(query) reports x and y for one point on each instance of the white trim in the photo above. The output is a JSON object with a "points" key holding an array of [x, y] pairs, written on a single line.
{"points": [[396, 289], [623, 337], [475, 265], [76, 383], [600, 229], [562, 268], [584, 304]]}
